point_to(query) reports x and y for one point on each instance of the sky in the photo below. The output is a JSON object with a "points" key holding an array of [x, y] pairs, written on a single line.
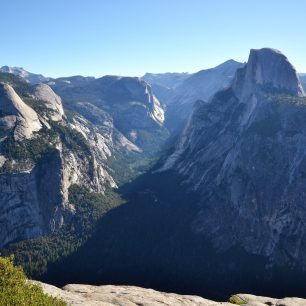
{"points": [[132, 37]]}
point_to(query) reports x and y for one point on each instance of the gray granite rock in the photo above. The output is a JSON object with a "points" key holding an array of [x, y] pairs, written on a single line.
{"points": [[270, 68], [16, 115], [31, 203], [52, 101], [198, 86], [77, 295], [245, 152]]}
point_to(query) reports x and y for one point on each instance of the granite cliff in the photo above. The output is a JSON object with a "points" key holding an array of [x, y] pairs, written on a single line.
{"points": [[244, 151], [179, 91], [43, 153]]}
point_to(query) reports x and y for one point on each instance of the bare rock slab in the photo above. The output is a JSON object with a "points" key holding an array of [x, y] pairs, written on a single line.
{"points": [[109, 295]]}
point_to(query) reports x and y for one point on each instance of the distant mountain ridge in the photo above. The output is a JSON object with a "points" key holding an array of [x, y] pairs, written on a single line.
{"points": [[199, 86], [26, 75], [168, 79]]}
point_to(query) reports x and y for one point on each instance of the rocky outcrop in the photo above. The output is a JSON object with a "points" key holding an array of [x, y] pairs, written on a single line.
{"points": [[40, 160], [77, 295], [134, 110], [113, 93], [134, 105], [270, 69], [31, 203], [86, 167], [245, 153], [16, 115], [51, 100], [104, 123], [253, 300], [79, 149]]}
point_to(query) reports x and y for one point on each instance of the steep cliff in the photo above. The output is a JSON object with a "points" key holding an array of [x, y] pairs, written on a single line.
{"points": [[42, 154], [245, 153], [135, 111], [52, 101], [16, 116]]}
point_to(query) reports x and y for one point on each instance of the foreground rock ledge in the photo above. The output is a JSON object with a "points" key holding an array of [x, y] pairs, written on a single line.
{"points": [[77, 295]]}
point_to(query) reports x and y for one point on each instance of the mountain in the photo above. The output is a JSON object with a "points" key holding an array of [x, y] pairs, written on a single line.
{"points": [[42, 155], [222, 212], [131, 103], [303, 80], [16, 115], [179, 90], [167, 80], [63, 153], [245, 152], [47, 150], [26, 75], [203, 84], [198, 86], [164, 84]]}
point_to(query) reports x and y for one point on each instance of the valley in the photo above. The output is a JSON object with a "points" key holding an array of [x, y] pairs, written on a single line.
{"points": [[187, 183]]}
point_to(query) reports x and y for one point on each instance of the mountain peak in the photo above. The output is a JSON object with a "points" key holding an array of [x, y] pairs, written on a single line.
{"points": [[269, 68], [16, 115], [52, 101], [26, 75]]}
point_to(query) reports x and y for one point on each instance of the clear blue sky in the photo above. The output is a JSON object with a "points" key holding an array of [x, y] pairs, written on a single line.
{"points": [[131, 37]]}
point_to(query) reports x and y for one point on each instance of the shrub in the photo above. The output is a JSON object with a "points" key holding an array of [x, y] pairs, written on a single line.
{"points": [[15, 289], [237, 300]]}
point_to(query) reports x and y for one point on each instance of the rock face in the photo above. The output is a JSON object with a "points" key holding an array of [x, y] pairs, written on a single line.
{"points": [[205, 83], [31, 203], [270, 69], [135, 98], [77, 295], [52, 101], [105, 124], [42, 154], [164, 84], [134, 110], [245, 152], [16, 115], [130, 101], [198, 86]]}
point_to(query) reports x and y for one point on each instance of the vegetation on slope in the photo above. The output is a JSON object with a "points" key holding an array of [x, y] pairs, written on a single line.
{"points": [[36, 254], [237, 300], [15, 289]]}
